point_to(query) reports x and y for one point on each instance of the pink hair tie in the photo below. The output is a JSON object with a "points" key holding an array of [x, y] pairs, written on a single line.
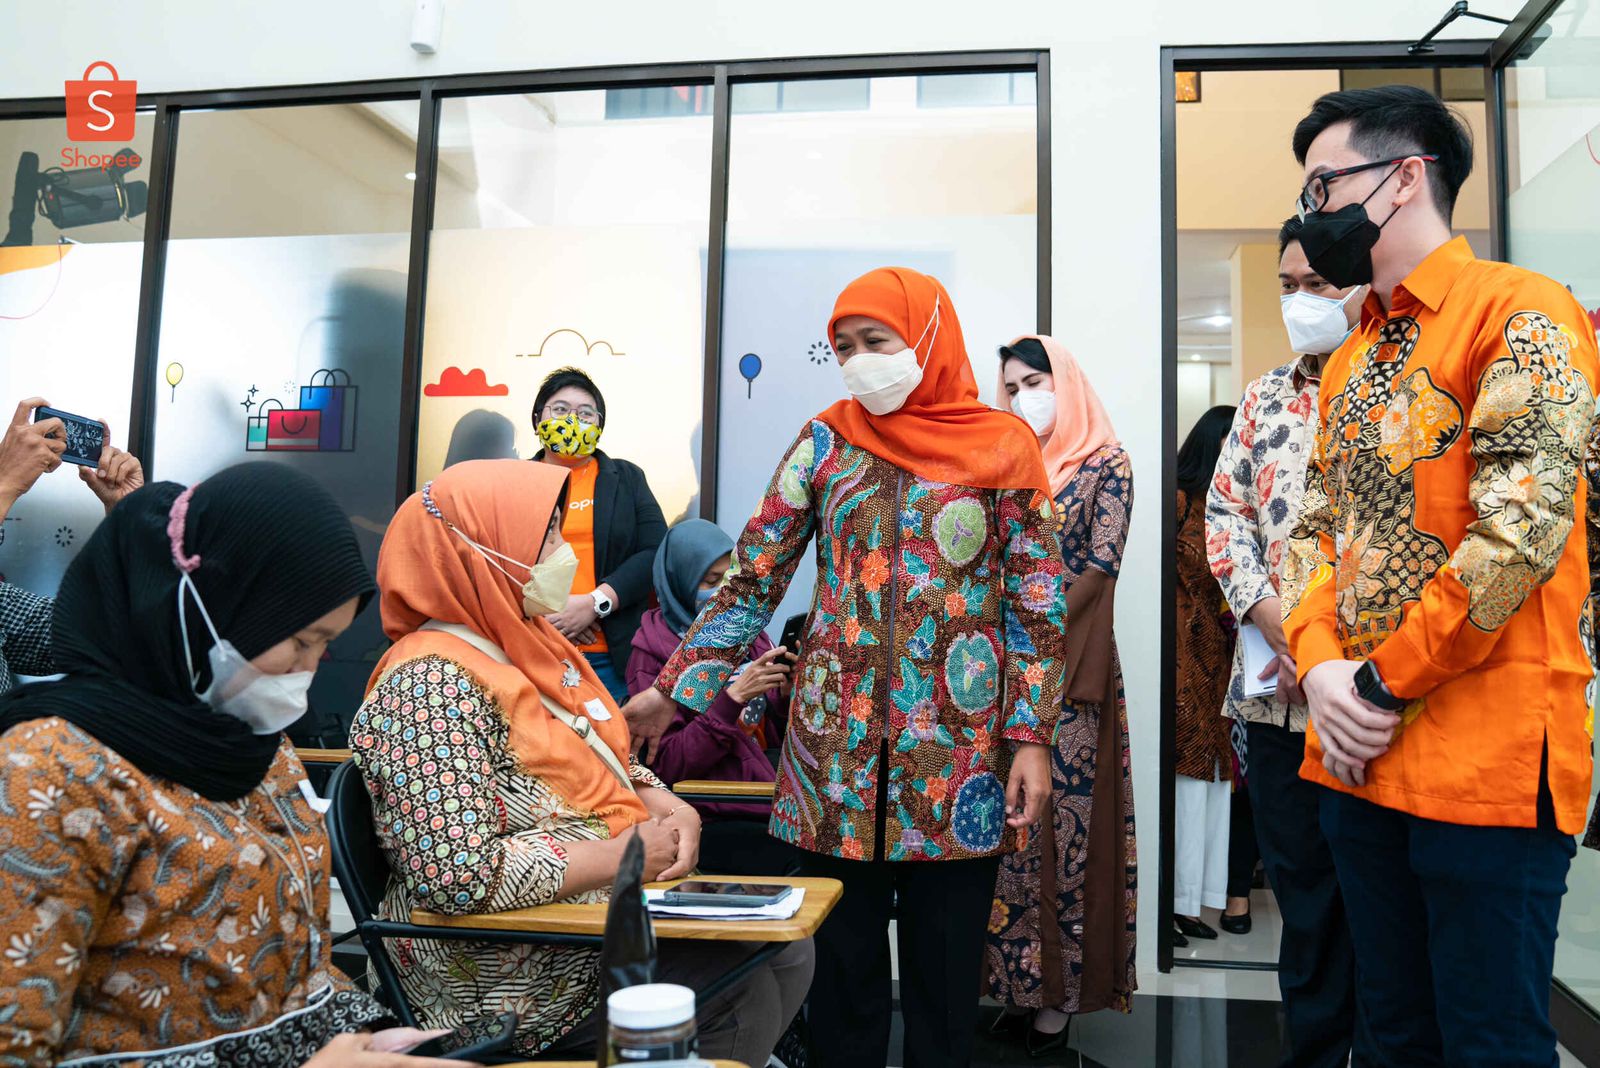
{"points": [[176, 517]]}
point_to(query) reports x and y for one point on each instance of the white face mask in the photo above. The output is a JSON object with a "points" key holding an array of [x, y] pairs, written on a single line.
{"points": [[549, 581], [882, 381], [1316, 325], [265, 703], [1037, 408]]}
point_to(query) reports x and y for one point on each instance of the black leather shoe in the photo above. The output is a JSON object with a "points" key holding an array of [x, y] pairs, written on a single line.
{"points": [[1236, 924], [1039, 1043], [1195, 928], [1178, 941]]}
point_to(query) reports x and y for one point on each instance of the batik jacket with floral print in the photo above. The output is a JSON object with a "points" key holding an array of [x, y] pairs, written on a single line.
{"points": [[1435, 540], [936, 634]]}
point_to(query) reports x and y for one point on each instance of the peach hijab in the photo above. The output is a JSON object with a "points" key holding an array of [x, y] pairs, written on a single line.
{"points": [[1082, 426], [426, 572]]}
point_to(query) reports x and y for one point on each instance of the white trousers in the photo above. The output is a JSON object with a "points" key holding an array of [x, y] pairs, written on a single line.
{"points": [[1200, 836]]}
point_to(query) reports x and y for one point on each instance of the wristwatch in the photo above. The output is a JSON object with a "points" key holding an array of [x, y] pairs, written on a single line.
{"points": [[1370, 688], [603, 605]]}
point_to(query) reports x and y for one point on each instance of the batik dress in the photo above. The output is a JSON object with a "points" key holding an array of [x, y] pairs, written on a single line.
{"points": [[1061, 934]]}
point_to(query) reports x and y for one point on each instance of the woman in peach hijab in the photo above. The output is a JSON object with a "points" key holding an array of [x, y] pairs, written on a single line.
{"points": [[500, 777], [927, 687], [1061, 933]]}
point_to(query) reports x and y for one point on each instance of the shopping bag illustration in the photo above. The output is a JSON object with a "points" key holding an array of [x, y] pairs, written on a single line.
{"points": [[293, 430], [255, 434], [335, 399], [100, 109]]}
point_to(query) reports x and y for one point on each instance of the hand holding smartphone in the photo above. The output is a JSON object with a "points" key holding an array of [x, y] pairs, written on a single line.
{"points": [[472, 1040], [85, 437]]}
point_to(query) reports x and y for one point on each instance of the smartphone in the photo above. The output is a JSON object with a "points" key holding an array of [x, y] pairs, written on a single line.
{"points": [[726, 895], [793, 630], [472, 1040], [85, 437]]}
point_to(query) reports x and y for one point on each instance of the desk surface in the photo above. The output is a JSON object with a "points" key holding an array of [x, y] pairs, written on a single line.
{"points": [[590, 1064], [723, 788], [821, 896], [321, 756]]}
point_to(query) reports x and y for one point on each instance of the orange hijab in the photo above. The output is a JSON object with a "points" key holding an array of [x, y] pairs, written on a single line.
{"points": [[427, 571], [943, 433], [1082, 425]]}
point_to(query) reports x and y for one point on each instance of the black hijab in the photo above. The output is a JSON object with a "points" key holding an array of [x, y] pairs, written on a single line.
{"points": [[276, 553]]}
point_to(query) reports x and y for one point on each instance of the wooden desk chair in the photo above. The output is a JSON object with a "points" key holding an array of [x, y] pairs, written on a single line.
{"points": [[723, 790], [363, 873]]}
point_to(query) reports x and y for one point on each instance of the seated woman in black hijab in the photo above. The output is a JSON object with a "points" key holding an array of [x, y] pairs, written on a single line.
{"points": [[164, 878]]}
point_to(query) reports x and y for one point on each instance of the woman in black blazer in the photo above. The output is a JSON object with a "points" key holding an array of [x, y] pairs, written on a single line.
{"points": [[613, 524]]}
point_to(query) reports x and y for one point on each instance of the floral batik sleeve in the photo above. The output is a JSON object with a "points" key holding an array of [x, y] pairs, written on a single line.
{"points": [[430, 707], [1034, 613], [1529, 428], [68, 845], [764, 562], [1233, 546]]}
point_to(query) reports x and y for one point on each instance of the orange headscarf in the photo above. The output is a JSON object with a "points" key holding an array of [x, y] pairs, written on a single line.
{"points": [[1082, 425], [943, 432], [427, 571]]}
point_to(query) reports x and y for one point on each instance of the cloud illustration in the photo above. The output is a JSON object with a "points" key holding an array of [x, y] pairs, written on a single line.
{"points": [[458, 383]]}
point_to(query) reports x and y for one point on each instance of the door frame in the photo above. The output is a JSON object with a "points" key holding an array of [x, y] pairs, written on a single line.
{"points": [[1389, 55]]}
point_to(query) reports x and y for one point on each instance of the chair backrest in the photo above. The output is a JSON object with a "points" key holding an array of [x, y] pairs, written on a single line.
{"points": [[358, 859]]}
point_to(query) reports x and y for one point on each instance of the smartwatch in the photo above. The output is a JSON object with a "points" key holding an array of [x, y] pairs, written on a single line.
{"points": [[1370, 688], [603, 605]]}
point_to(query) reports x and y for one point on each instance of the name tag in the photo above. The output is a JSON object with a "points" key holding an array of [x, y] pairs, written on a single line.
{"points": [[597, 710]]}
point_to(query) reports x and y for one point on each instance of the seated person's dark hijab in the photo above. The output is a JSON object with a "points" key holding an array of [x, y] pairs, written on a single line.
{"points": [[275, 554]]}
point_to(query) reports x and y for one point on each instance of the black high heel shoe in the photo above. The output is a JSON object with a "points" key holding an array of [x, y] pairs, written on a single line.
{"points": [[1040, 1043], [1238, 925]]}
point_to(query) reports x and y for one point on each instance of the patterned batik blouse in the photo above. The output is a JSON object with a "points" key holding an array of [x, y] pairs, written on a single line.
{"points": [[466, 830], [136, 916], [936, 634]]}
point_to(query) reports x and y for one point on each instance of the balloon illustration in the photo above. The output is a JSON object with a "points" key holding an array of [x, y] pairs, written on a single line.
{"points": [[174, 376], [749, 367]]}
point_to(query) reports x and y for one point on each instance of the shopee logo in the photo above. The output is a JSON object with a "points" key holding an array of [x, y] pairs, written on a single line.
{"points": [[100, 110]]}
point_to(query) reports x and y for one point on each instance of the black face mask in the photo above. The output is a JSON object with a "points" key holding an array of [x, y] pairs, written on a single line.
{"points": [[1338, 244]]}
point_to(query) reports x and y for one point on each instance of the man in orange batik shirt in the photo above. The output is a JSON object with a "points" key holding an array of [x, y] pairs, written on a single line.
{"points": [[1435, 590]]}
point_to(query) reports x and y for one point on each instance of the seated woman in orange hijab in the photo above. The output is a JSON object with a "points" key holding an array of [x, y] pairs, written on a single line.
{"points": [[500, 777]]}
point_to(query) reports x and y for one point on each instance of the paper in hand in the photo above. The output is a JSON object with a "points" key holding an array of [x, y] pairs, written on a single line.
{"points": [[1257, 655]]}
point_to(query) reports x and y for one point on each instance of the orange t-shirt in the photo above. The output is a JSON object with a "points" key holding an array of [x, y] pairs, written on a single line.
{"points": [[1443, 534], [578, 529]]}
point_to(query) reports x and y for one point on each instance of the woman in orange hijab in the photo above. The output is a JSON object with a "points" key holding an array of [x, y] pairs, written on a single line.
{"points": [[500, 775], [928, 682], [1061, 934]]}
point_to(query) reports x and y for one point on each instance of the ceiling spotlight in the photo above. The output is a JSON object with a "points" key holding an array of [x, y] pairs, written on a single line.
{"points": [[1194, 357], [411, 176]]}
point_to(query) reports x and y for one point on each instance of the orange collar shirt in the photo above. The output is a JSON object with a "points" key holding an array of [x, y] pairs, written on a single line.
{"points": [[1443, 535]]}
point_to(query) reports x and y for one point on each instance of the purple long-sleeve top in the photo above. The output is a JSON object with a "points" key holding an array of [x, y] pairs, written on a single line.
{"points": [[708, 745]]}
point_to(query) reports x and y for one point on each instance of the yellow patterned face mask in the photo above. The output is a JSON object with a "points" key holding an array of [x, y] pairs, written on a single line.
{"points": [[569, 436]]}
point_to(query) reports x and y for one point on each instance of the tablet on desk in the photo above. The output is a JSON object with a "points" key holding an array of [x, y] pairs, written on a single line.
{"points": [[698, 892]]}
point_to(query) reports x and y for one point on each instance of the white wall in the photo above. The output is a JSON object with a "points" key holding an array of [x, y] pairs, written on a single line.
{"points": [[1105, 97]]}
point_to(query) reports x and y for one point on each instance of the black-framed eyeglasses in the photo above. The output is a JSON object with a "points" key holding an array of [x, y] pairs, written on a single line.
{"points": [[1314, 195], [561, 409]]}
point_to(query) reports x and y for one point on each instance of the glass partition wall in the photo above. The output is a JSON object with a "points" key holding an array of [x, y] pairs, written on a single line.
{"points": [[1552, 220], [368, 282]]}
